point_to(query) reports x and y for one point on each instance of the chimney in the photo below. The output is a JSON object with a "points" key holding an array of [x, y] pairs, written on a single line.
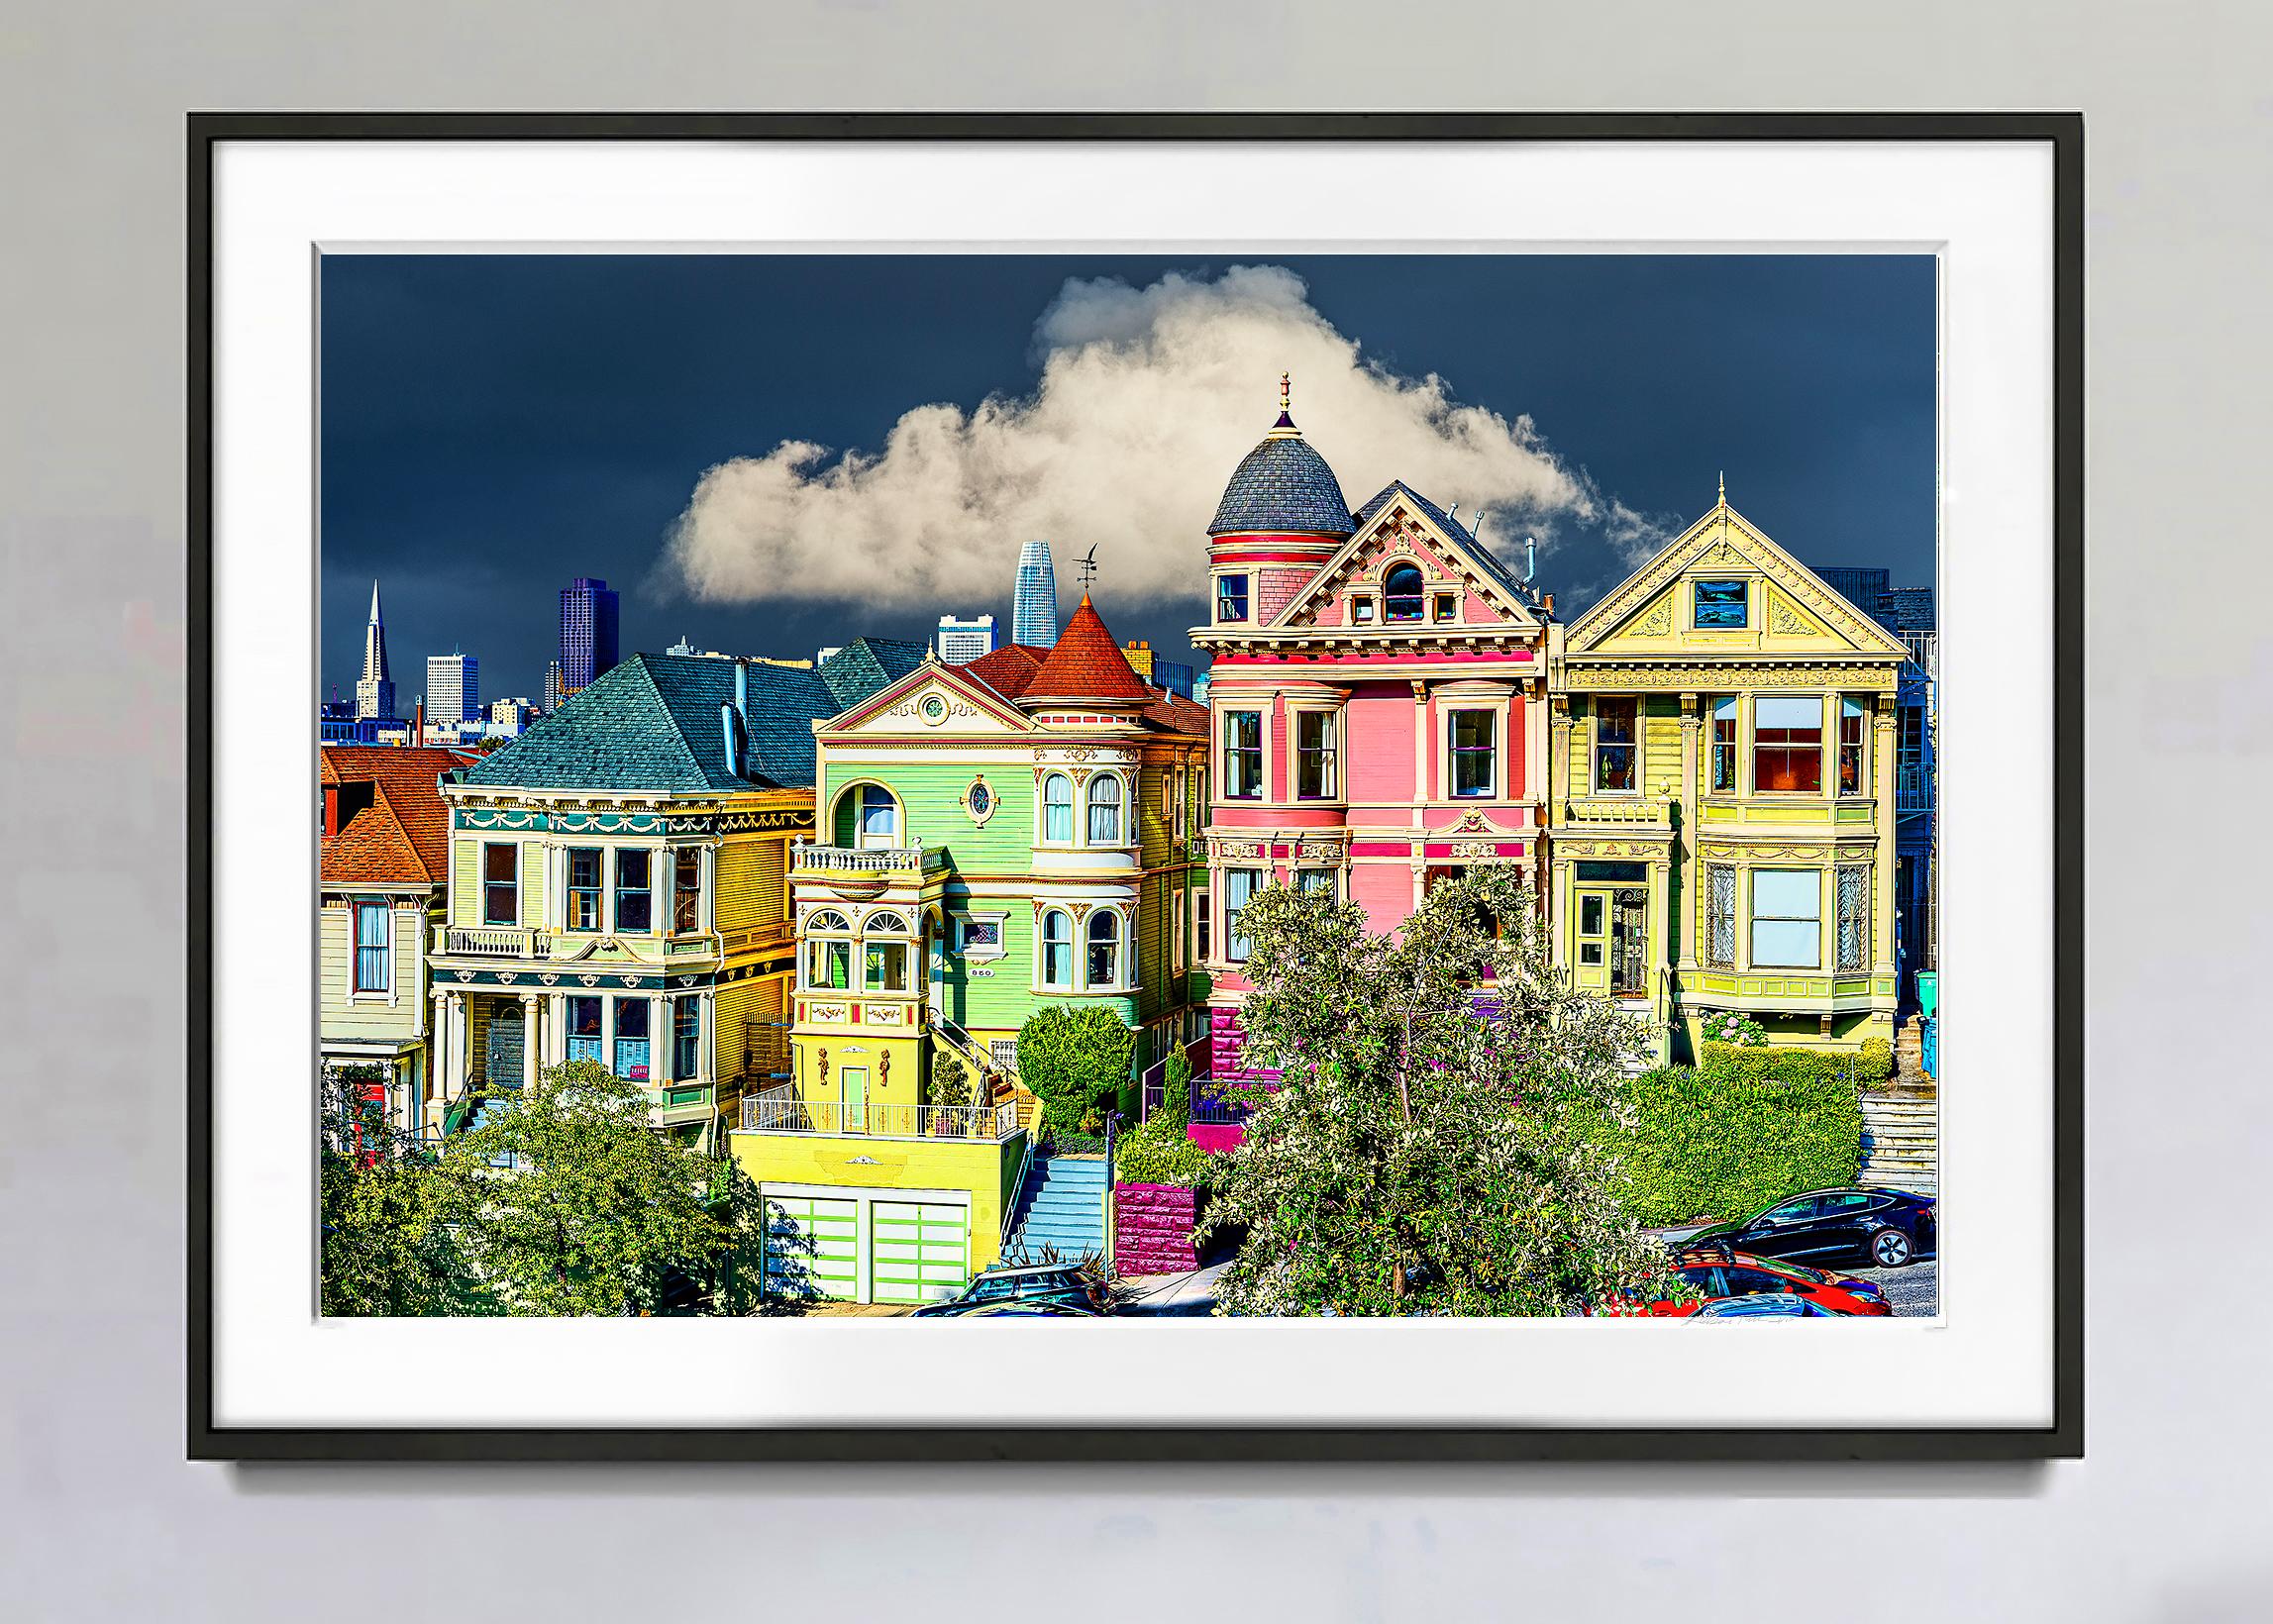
{"points": [[418, 725], [1550, 603], [330, 811]]}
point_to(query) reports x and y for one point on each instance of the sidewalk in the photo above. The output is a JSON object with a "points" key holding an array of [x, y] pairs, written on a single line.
{"points": [[1192, 1293]]}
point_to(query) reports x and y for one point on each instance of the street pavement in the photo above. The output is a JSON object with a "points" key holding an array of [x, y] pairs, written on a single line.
{"points": [[1913, 1292]]}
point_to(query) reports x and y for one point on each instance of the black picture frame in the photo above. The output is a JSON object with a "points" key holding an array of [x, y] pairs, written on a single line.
{"points": [[2063, 1438]]}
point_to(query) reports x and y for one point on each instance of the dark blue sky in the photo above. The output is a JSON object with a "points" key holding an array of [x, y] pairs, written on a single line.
{"points": [[495, 425]]}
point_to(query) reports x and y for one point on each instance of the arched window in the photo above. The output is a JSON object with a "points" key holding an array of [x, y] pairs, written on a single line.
{"points": [[880, 819], [885, 950], [828, 952], [1402, 588], [1104, 948], [1057, 950], [1058, 808], [1104, 809]]}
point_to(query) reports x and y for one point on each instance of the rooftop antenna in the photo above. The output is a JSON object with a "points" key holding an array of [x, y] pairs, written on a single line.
{"points": [[1087, 565]]}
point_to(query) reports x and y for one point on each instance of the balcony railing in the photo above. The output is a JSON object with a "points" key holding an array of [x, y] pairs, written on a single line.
{"points": [[1914, 789], [493, 942], [853, 860], [783, 1111], [1225, 1103], [1613, 809]]}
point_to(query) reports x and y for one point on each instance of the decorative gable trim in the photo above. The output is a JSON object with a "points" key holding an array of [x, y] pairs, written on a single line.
{"points": [[1402, 529], [1724, 537], [966, 697]]}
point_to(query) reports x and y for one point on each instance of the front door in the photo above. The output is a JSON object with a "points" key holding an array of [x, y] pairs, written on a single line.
{"points": [[853, 1081], [1590, 926], [1629, 944]]}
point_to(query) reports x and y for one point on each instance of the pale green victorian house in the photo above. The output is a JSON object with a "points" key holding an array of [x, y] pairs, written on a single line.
{"points": [[993, 836]]}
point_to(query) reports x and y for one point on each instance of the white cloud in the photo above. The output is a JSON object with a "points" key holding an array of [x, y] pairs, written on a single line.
{"points": [[1147, 399]]}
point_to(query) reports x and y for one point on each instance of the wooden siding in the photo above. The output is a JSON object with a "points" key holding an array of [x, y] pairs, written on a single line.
{"points": [[344, 1016]]}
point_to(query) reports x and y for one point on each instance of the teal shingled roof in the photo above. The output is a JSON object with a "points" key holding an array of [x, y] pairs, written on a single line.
{"points": [[652, 724], [869, 666]]}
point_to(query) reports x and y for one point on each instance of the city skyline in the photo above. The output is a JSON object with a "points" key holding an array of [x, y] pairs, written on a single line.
{"points": [[493, 428]]}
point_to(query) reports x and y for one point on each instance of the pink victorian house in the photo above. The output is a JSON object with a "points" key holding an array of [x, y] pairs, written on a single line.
{"points": [[1379, 704]]}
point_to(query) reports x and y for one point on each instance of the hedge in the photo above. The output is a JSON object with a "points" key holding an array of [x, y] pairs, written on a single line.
{"points": [[1076, 1058], [1719, 1144], [1755, 1062], [1160, 1153]]}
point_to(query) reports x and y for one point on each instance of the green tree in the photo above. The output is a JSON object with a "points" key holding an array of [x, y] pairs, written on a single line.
{"points": [[1421, 1156], [1076, 1058], [571, 1203], [388, 1246]]}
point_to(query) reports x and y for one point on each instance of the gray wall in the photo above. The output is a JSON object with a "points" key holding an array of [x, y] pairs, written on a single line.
{"points": [[99, 1516]]}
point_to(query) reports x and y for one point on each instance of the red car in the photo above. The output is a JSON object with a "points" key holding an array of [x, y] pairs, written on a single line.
{"points": [[1740, 1275]]}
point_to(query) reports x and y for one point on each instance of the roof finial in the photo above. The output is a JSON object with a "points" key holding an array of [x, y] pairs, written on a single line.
{"points": [[1286, 390], [1087, 565], [1724, 487]]}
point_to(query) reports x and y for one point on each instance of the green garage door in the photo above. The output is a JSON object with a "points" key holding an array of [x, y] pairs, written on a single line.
{"points": [[812, 1245], [918, 1251]]}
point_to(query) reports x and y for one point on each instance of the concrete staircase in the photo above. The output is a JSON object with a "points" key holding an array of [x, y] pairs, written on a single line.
{"points": [[1901, 1141], [1062, 1205], [1910, 1052]]}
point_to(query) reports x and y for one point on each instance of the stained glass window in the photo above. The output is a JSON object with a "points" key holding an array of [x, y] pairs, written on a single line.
{"points": [[1854, 918], [1721, 915]]}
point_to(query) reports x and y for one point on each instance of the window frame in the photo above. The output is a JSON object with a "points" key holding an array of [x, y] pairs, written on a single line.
{"points": [[491, 885], [862, 839], [358, 985], [1118, 806], [1235, 953], [1202, 922], [1455, 752], [1697, 607], [816, 936], [570, 1037], [1855, 752], [1721, 750], [686, 1037], [1861, 916], [1419, 596], [1327, 752], [1331, 876], [1044, 942], [685, 897], [1000, 919], [1048, 830], [1225, 596], [596, 892], [1111, 919], [618, 1037], [1791, 752], [1754, 919], [1259, 750], [1444, 608], [1597, 746], [619, 892]]}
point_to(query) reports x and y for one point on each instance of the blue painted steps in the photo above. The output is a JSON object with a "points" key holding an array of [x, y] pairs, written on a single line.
{"points": [[1062, 1205]]}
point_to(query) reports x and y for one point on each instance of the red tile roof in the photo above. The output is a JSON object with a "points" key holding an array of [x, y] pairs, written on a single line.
{"points": [[393, 828], [1086, 664], [1006, 669]]}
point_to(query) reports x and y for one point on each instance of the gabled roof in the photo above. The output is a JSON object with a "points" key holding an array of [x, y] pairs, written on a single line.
{"points": [[1456, 544], [652, 724], [393, 828], [869, 665], [1725, 533], [1173, 713], [1086, 665], [956, 678]]}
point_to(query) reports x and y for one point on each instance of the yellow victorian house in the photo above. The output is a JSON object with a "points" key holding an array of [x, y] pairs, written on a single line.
{"points": [[1721, 832]]}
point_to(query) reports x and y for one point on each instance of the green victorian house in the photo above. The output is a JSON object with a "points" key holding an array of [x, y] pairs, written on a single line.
{"points": [[993, 836], [618, 887]]}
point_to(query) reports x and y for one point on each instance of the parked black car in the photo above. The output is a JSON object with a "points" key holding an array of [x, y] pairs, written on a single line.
{"points": [[1887, 1228], [1068, 1284]]}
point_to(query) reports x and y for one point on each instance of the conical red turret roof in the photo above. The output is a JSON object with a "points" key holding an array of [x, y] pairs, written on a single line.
{"points": [[1087, 666]]}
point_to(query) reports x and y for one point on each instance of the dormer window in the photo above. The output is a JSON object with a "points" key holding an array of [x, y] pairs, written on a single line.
{"points": [[1719, 606], [1403, 593], [1230, 597], [1447, 608]]}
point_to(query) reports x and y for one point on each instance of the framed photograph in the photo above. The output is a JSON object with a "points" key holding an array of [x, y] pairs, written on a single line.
{"points": [[1311, 747]]}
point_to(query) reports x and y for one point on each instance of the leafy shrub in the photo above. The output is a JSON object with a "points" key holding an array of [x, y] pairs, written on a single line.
{"points": [[1874, 1062], [950, 1081], [1744, 1063], [1160, 1153], [1725, 1145], [1733, 1026], [1076, 1059]]}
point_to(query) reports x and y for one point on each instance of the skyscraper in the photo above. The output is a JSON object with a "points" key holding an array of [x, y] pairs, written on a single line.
{"points": [[960, 642], [375, 695], [587, 632], [1034, 611], [452, 689]]}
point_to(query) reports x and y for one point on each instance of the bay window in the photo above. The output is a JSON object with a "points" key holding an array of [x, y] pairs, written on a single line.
{"points": [[1242, 754], [1104, 795], [584, 913], [1475, 751], [631, 1039], [1854, 918], [585, 1029], [828, 952], [1314, 777], [635, 894], [1786, 919], [687, 890], [1850, 748], [1057, 950], [1058, 808], [686, 1038], [1788, 744], [1724, 762], [1239, 888], [1104, 934]]}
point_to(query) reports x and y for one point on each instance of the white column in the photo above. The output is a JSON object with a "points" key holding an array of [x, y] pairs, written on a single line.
{"points": [[658, 1040], [531, 1008], [1686, 869], [706, 1045], [438, 1071], [556, 1028]]}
